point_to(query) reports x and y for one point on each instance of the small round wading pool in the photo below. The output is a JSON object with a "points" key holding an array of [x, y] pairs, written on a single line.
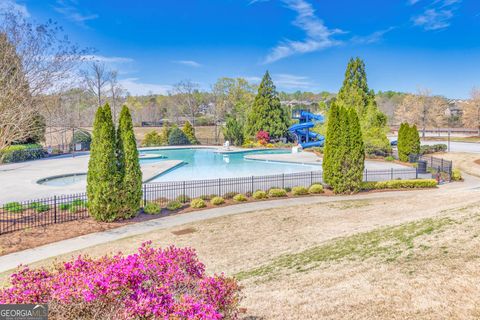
{"points": [[63, 180]]}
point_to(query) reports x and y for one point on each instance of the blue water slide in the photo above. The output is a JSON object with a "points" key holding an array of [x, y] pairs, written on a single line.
{"points": [[301, 130]]}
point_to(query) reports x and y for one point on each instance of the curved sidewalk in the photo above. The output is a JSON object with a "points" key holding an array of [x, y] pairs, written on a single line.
{"points": [[11, 261]]}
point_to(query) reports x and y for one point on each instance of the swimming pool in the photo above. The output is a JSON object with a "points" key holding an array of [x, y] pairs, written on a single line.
{"points": [[207, 164]]}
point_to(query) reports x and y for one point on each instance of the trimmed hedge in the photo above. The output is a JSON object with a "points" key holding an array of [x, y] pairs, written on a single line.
{"points": [[277, 193], [198, 203], [457, 175], [399, 184], [152, 208], [21, 152], [240, 198], [299, 191], [174, 205], [216, 201], [260, 194], [427, 149], [315, 189]]}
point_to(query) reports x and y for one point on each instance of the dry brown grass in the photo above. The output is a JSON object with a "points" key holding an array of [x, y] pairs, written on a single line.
{"points": [[434, 276]]}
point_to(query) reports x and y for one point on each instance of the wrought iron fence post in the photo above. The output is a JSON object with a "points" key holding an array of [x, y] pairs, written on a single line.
{"points": [[391, 173], [283, 180], [220, 186], [54, 209], [311, 177], [366, 175], [184, 189], [144, 195], [252, 185], [416, 173]]}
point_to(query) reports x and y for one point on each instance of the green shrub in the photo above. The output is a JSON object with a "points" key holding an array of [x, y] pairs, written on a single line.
{"points": [[152, 139], [64, 206], [14, 207], [39, 207], [189, 131], [259, 194], [79, 203], [177, 137], [457, 175], [427, 149], [207, 197], [198, 203], [240, 198], [399, 184], [288, 189], [183, 198], [315, 189], [216, 201], [152, 208], [277, 193], [389, 158], [174, 205], [299, 191], [21, 152], [230, 195], [82, 136]]}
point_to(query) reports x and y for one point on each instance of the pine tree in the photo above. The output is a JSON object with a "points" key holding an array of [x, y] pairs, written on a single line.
{"points": [[266, 113], [356, 94], [103, 169], [189, 131], [129, 166], [177, 137]]}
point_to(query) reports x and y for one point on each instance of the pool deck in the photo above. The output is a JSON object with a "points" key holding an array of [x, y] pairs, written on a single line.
{"points": [[19, 180]]}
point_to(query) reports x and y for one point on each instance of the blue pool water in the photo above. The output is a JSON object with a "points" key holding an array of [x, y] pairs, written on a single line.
{"points": [[207, 164]]}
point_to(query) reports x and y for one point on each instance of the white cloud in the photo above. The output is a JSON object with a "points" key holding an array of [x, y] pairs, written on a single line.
{"points": [[6, 5], [437, 15], [105, 59], [412, 2], [372, 38], [290, 81], [318, 36], [189, 63], [69, 9], [433, 19], [136, 87]]}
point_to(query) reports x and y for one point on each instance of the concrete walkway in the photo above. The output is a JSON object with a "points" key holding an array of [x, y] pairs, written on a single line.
{"points": [[11, 261]]}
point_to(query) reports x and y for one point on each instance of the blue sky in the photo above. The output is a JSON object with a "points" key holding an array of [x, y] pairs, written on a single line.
{"points": [[305, 44]]}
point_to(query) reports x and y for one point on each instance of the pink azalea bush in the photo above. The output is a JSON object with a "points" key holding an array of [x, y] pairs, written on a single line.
{"points": [[150, 284], [263, 137]]}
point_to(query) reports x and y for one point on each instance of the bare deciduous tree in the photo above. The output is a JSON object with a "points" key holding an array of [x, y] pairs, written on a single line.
{"points": [[189, 98], [96, 78], [471, 110], [116, 92], [35, 60]]}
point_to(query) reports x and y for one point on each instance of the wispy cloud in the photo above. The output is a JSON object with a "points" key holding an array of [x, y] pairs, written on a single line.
{"points": [[413, 2], [106, 59], [136, 87], [318, 36], [290, 81], [374, 37], [6, 5], [189, 63], [69, 9], [437, 15]]}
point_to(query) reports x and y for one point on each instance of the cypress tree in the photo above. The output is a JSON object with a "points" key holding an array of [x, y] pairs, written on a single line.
{"points": [[332, 143], [189, 131], [266, 113], [415, 140], [401, 141], [356, 152], [129, 166], [103, 169]]}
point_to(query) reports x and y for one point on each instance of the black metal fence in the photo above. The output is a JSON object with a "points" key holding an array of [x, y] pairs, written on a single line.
{"points": [[16, 216]]}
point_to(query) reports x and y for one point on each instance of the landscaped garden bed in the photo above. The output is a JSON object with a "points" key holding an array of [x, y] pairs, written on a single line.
{"points": [[41, 235]]}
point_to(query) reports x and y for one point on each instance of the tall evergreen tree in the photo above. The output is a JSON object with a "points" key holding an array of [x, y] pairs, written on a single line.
{"points": [[356, 94], [103, 169], [415, 140], [266, 113], [189, 131], [129, 166], [332, 142], [402, 142], [356, 152]]}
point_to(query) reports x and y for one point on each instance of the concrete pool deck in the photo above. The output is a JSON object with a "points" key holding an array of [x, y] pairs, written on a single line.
{"points": [[19, 180]]}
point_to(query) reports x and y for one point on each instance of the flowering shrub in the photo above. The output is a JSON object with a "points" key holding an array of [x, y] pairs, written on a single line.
{"points": [[263, 137], [150, 284]]}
